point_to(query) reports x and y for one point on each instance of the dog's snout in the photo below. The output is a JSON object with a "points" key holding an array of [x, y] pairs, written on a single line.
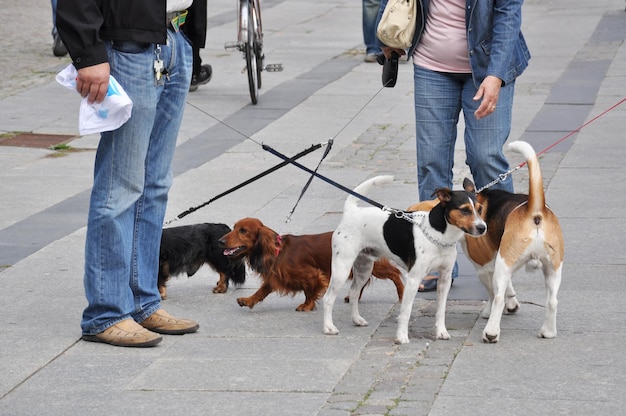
{"points": [[481, 229]]}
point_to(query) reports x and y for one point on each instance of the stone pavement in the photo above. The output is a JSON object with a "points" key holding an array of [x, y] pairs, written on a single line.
{"points": [[272, 360]]}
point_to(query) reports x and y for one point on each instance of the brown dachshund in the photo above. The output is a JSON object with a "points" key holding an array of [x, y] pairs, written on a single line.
{"points": [[289, 263]]}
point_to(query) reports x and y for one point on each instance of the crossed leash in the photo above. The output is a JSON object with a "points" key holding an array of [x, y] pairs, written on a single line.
{"points": [[292, 161]]}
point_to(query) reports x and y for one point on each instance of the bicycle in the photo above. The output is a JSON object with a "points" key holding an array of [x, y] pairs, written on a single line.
{"points": [[250, 43]]}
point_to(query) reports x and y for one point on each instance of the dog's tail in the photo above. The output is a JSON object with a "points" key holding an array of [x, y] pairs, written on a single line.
{"points": [[536, 197], [364, 187]]}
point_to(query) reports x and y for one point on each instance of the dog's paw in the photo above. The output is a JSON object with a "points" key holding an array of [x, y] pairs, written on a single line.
{"points": [[220, 289], [330, 329], [402, 336], [442, 334], [511, 305], [401, 340], [359, 321], [244, 302], [305, 308], [491, 337], [545, 332]]}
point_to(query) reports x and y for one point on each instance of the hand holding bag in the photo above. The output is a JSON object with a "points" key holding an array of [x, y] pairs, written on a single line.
{"points": [[397, 24]]}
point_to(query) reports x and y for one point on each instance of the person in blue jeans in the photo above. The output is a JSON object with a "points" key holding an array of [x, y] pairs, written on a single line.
{"points": [[140, 44], [466, 57], [370, 15]]}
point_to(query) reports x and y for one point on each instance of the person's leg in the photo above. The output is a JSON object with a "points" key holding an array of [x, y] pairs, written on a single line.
{"points": [[370, 14], [437, 108], [201, 74], [485, 138], [131, 182], [54, 17], [150, 209], [58, 48], [118, 186]]}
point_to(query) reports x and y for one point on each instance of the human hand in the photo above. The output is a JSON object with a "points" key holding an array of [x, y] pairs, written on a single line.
{"points": [[93, 82], [488, 91], [387, 50]]}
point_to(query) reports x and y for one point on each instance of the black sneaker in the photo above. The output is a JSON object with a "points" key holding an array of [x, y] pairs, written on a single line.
{"points": [[58, 48], [201, 78]]}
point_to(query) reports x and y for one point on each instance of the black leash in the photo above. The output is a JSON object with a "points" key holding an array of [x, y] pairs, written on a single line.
{"points": [[287, 160], [324, 178], [306, 186], [249, 181]]}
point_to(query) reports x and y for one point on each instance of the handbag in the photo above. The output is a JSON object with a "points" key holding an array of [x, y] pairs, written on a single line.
{"points": [[397, 24]]}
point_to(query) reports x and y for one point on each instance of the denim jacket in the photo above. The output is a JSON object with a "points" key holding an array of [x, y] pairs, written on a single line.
{"points": [[495, 42]]}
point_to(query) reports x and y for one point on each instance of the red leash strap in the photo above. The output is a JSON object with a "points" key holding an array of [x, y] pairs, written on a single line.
{"points": [[577, 130]]}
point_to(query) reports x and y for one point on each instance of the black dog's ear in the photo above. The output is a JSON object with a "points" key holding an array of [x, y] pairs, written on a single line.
{"points": [[444, 194], [469, 186]]}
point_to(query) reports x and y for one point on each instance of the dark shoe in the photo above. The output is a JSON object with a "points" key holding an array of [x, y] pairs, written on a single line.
{"points": [[162, 322], [201, 78], [126, 333], [58, 48]]}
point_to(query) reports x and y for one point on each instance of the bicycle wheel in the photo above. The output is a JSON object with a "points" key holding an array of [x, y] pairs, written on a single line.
{"points": [[258, 40], [251, 59]]}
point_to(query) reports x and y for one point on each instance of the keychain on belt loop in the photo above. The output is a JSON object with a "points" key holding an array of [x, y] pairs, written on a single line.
{"points": [[158, 63]]}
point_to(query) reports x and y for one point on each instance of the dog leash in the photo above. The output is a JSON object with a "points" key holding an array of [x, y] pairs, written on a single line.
{"points": [[503, 176], [308, 182], [286, 161], [247, 182]]}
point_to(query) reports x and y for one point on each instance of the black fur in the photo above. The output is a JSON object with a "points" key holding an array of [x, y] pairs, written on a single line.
{"points": [[185, 249], [398, 234]]}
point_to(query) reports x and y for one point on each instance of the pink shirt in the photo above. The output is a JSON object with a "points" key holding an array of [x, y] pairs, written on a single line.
{"points": [[443, 46]]}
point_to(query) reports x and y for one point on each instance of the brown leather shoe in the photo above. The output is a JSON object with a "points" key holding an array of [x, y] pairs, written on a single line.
{"points": [[126, 333], [164, 323]]}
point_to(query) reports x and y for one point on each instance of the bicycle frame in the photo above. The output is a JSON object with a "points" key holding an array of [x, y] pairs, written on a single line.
{"points": [[242, 21], [250, 43]]}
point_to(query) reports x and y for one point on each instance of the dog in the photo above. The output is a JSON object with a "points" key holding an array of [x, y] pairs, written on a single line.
{"points": [[288, 264], [185, 249], [417, 242], [522, 230]]}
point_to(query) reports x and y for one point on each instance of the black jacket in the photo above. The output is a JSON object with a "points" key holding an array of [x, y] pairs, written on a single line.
{"points": [[84, 26]]}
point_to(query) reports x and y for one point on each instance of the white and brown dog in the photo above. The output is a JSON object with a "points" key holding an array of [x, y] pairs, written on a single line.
{"points": [[521, 230], [417, 242]]}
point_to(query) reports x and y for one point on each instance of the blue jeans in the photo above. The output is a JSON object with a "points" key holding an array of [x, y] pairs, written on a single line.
{"points": [[370, 14], [439, 99], [53, 3], [132, 177]]}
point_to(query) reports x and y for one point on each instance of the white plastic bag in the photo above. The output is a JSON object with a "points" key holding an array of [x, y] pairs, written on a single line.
{"points": [[108, 115]]}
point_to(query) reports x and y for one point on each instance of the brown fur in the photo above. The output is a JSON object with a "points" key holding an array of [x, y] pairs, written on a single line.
{"points": [[290, 263]]}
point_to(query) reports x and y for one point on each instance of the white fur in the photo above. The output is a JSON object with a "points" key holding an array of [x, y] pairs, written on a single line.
{"points": [[361, 229]]}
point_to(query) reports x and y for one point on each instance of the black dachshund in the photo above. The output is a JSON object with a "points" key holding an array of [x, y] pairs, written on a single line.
{"points": [[185, 249]]}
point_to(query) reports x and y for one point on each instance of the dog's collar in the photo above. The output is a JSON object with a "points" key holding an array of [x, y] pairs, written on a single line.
{"points": [[279, 240], [410, 216]]}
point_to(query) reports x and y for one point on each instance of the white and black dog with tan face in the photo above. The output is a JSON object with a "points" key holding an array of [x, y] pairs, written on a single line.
{"points": [[418, 242]]}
